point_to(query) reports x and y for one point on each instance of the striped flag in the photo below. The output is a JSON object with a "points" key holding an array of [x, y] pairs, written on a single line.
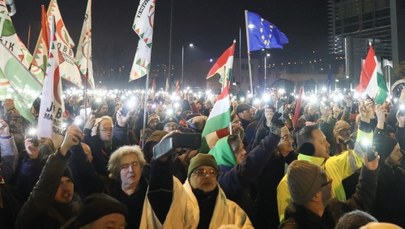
{"points": [[372, 80], [84, 50], [217, 125], [143, 26], [223, 66]]}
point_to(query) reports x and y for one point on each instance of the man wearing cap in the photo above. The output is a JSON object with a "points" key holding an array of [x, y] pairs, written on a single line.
{"points": [[245, 114], [101, 211], [312, 205], [314, 148], [209, 206]]}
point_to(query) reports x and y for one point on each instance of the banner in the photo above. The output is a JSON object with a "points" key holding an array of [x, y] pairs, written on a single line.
{"points": [[143, 26], [84, 58], [17, 83], [52, 108]]}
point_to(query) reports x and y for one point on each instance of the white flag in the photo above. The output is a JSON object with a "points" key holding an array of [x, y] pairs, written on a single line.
{"points": [[52, 108], [9, 38], [143, 26], [84, 50], [67, 66]]}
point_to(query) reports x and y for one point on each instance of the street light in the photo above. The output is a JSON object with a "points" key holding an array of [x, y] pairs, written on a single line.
{"points": [[191, 45], [265, 69]]}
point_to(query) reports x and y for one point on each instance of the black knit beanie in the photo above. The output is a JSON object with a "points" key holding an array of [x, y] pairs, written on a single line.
{"points": [[98, 205]]}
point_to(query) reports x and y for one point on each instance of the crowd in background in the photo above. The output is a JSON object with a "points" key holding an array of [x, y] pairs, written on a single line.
{"points": [[339, 166]]}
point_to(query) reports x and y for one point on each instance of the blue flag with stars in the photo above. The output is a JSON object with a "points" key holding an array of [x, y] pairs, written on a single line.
{"points": [[263, 34]]}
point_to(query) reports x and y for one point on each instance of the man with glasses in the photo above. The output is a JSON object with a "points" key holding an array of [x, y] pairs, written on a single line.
{"points": [[207, 198], [312, 205], [104, 137]]}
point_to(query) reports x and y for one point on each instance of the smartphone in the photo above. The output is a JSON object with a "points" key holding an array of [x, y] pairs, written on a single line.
{"points": [[177, 140]]}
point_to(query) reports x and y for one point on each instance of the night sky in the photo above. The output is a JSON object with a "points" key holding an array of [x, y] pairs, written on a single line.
{"points": [[210, 25]]}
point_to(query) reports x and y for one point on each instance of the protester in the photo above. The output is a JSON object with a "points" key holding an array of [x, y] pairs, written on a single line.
{"points": [[312, 205], [313, 147], [209, 206], [239, 170], [104, 137], [53, 203], [101, 211]]}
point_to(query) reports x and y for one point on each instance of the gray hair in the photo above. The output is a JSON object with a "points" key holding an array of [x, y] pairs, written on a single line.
{"points": [[114, 163]]}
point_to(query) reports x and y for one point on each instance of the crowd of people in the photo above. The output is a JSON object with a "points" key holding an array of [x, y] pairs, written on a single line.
{"points": [[337, 165]]}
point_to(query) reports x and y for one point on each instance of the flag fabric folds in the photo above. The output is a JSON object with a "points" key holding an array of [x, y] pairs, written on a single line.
{"points": [[84, 49], [223, 66], [217, 125], [263, 34], [50, 119], [143, 26], [68, 68], [9, 38], [18, 83], [372, 80]]}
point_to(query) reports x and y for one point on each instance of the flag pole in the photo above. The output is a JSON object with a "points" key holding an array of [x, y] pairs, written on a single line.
{"points": [[167, 89], [248, 52], [145, 104], [240, 54]]}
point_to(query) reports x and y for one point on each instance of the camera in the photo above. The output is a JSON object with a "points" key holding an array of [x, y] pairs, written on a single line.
{"points": [[177, 140]]}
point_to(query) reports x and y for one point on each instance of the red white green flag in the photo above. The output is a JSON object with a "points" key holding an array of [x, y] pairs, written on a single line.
{"points": [[223, 66], [84, 50], [372, 80], [217, 125], [143, 26]]}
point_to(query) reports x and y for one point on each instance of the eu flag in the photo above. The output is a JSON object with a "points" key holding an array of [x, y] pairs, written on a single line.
{"points": [[263, 34]]}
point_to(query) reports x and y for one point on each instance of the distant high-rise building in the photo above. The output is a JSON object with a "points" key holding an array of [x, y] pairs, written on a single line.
{"points": [[355, 23]]}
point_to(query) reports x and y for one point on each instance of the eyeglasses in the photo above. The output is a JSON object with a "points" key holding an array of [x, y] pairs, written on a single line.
{"points": [[328, 182], [205, 172], [127, 165], [107, 130]]}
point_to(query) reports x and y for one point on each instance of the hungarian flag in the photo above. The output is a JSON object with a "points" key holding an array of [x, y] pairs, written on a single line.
{"points": [[52, 108], [143, 26], [372, 80], [84, 50], [223, 66], [217, 125], [68, 68]]}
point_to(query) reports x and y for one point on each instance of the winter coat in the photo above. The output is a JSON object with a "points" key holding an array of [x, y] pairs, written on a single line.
{"points": [[299, 217], [235, 179], [101, 153], [41, 210]]}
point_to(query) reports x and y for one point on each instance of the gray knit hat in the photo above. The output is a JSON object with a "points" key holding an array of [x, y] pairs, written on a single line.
{"points": [[304, 181]]}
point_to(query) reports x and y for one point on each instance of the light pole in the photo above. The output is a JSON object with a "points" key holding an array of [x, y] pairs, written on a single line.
{"points": [[265, 70], [182, 62]]}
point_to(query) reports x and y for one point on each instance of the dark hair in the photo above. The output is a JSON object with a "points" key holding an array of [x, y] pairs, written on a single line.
{"points": [[305, 140], [354, 219]]}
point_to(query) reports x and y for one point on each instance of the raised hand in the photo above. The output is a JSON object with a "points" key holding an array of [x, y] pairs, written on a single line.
{"points": [[366, 110], [73, 137], [381, 113], [31, 148]]}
